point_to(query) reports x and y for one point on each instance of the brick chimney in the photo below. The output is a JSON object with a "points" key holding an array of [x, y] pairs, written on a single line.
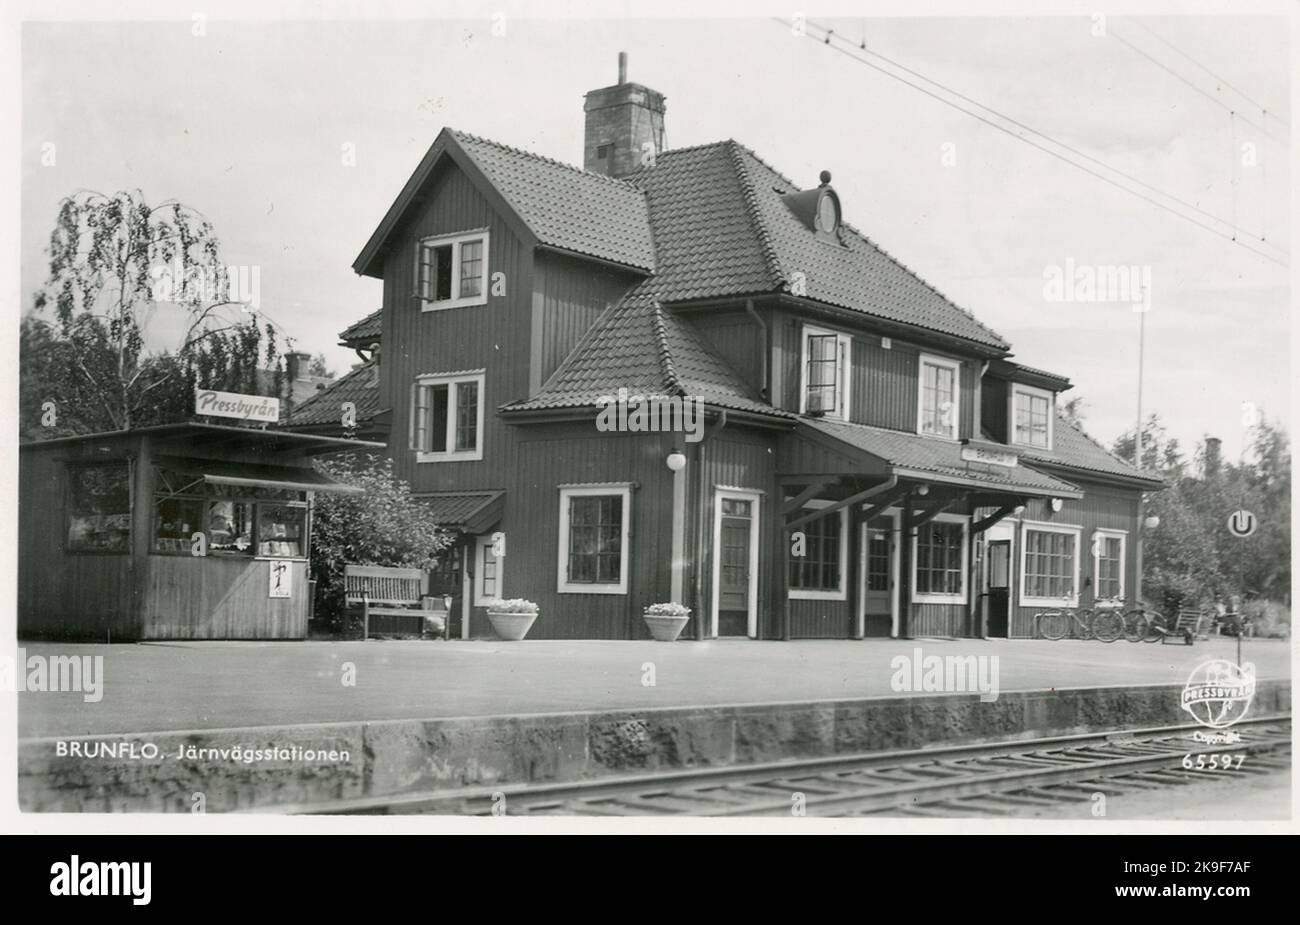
{"points": [[297, 365], [625, 126], [1213, 456]]}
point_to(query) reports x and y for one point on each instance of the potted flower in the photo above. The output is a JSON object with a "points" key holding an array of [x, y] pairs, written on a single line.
{"points": [[512, 618], [666, 620]]}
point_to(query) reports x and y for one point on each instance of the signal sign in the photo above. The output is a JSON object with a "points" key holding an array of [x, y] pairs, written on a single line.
{"points": [[1242, 524]]}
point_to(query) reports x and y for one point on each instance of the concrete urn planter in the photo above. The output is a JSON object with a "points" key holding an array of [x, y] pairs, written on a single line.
{"points": [[511, 627], [665, 628]]}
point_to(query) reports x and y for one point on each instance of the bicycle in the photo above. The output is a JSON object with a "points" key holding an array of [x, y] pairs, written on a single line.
{"points": [[1133, 623], [1104, 626]]}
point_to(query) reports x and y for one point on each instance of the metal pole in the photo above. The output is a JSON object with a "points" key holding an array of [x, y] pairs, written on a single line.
{"points": [[1137, 460]]}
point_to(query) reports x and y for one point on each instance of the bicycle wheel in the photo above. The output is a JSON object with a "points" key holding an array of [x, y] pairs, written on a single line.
{"points": [[1135, 626], [1053, 625], [1155, 629], [1107, 626]]}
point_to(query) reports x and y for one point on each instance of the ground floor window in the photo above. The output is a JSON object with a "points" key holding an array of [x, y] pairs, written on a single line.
{"points": [[940, 557], [236, 521], [99, 508], [1049, 565], [594, 539], [818, 573], [1108, 572]]}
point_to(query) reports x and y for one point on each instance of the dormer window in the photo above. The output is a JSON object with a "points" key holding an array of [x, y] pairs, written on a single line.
{"points": [[818, 209], [1031, 416], [828, 214]]}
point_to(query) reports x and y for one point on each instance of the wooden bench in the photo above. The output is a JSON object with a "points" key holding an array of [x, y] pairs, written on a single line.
{"points": [[403, 608], [1187, 627]]}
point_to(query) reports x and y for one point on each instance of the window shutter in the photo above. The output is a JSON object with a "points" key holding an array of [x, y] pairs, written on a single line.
{"points": [[420, 418]]}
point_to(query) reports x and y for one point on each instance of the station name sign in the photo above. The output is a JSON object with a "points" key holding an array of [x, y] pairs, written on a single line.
{"points": [[233, 405], [989, 455]]}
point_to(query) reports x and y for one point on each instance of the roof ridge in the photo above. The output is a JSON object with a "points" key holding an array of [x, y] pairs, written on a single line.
{"points": [[532, 155], [750, 196], [671, 380]]}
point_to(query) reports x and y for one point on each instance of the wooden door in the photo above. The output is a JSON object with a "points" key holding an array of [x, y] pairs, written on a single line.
{"points": [[734, 548]]}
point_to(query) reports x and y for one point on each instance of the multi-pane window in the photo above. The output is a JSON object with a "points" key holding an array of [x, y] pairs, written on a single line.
{"points": [[99, 508], [450, 271], [447, 417], [236, 520], [819, 572], [877, 560], [939, 397], [940, 555], [594, 539], [487, 580], [826, 365], [1109, 579], [1032, 417], [1049, 565]]}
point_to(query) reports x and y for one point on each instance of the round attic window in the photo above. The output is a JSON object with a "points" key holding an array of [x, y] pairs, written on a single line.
{"points": [[828, 217]]}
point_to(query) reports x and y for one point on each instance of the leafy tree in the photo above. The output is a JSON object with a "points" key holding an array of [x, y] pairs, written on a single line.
{"points": [[113, 261], [1072, 410], [383, 525], [320, 367]]}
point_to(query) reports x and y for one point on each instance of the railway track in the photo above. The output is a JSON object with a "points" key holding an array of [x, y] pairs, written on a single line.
{"points": [[999, 779]]}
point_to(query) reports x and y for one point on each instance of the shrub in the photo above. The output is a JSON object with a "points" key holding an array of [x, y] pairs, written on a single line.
{"points": [[383, 525]]}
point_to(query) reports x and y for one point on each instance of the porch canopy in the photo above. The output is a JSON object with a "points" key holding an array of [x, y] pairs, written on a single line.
{"points": [[254, 475], [471, 512], [867, 470]]}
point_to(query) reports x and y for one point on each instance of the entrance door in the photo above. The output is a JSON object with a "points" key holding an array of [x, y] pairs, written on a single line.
{"points": [[877, 616], [734, 547], [998, 569]]}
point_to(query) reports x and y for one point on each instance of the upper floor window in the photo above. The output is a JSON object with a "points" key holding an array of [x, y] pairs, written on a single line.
{"points": [[451, 270], [825, 359], [939, 401], [447, 417], [1031, 416]]}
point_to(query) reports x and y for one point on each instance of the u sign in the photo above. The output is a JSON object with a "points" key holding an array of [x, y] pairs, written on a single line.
{"points": [[1242, 523]]}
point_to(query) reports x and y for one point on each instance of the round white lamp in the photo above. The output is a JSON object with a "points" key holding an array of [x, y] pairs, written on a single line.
{"points": [[1152, 521], [676, 461]]}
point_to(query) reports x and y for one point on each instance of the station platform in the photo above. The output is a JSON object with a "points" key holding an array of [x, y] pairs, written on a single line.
{"points": [[358, 720], [212, 685]]}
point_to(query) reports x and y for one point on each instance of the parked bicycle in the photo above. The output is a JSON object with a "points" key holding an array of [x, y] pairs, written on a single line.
{"points": [[1134, 621], [1104, 625]]}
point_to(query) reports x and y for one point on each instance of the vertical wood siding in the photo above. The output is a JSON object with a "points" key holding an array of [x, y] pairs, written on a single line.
{"points": [[994, 401], [734, 336], [568, 296], [218, 597]]}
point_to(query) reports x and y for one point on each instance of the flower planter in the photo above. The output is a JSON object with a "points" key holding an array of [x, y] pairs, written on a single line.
{"points": [[665, 628], [512, 626]]}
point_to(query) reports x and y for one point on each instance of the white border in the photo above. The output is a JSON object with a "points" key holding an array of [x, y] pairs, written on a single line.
{"points": [[1075, 530], [456, 241], [562, 583], [756, 498], [934, 598], [955, 365]]}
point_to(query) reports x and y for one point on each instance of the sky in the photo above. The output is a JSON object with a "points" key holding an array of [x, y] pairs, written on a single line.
{"points": [[293, 138]]}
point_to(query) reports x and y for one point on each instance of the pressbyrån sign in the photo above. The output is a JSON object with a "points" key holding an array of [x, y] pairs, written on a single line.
{"points": [[233, 405], [993, 457]]}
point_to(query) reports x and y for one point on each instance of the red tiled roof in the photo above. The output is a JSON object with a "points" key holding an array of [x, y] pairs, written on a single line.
{"points": [[366, 331], [565, 207], [940, 458], [359, 386], [1072, 447], [639, 346]]}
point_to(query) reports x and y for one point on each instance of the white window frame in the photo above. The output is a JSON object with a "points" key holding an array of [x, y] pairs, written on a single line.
{"points": [[1106, 533], [841, 593], [843, 375], [562, 583], [457, 241], [453, 382], [1075, 530], [936, 598], [1029, 390], [929, 359], [755, 499], [482, 599]]}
